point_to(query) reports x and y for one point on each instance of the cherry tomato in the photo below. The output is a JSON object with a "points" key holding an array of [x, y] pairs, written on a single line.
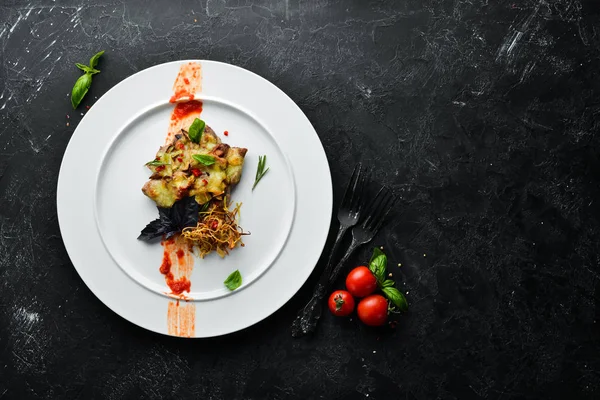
{"points": [[341, 303], [361, 282], [372, 310]]}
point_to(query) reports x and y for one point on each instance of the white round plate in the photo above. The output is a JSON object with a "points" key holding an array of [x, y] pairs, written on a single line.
{"points": [[101, 208]]}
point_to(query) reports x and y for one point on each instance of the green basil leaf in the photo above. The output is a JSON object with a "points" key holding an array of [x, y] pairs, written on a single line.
{"points": [[378, 264], [376, 253], [396, 297], [196, 130], [95, 58], [234, 280], [387, 283], [81, 87], [83, 67], [155, 163], [204, 159]]}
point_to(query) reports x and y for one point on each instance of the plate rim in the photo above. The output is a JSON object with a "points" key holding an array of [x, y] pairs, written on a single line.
{"points": [[328, 196]]}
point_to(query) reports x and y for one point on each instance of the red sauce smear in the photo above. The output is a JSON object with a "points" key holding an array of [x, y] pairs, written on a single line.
{"points": [[165, 267], [226, 133], [187, 83], [181, 319], [179, 95], [186, 108], [177, 286], [177, 258]]}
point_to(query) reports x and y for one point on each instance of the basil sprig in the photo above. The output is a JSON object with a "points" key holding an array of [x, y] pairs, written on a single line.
{"points": [[234, 280], [83, 83], [196, 130], [204, 159], [378, 266], [95, 58]]}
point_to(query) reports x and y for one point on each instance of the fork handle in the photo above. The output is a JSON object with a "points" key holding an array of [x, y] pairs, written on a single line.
{"points": [[307, 319], [333, 276], [338, 240]]}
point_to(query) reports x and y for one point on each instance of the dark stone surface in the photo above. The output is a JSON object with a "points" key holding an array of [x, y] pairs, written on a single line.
{"points": [[482, 115]]}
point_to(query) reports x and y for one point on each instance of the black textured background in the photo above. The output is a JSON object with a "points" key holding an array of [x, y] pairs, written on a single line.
{"points": [[480, 114]]}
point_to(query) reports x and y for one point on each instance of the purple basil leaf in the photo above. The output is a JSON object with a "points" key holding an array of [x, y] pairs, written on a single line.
{"points": [[164, 214], [177, 213], [153, 230], [172, 233], [190, 213], [171, 221]]}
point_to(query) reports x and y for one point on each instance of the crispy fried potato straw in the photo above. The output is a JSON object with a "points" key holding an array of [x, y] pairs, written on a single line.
{"points": [[217, 230]]}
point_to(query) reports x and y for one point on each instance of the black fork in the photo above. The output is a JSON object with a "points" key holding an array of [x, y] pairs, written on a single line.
{"points": [[307, 319], [380, 207], [350, 209]]}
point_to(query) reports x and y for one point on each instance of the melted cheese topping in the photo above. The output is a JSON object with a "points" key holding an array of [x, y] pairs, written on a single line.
{"points": [[177, 174]]}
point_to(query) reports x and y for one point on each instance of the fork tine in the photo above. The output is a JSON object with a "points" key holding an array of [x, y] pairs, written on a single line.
{"points": [[377, 221], [374, 204], [351, 188], [378, 225], [386, 199], [357, 199]]}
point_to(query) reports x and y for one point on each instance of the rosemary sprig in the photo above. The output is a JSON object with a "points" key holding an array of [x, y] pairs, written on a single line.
{"points": [[260, 171]]}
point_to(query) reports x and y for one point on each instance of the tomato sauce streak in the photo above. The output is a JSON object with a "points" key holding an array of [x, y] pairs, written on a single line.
{"points": [[177, 258], [181, 319], [187, 83], [177, 286], [186, 108], [165, 267]]}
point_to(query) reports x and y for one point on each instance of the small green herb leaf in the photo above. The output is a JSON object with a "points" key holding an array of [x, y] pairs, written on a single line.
{"points": [[376, 253], [95, 58], [196, 130], [260, 170], [396, 297], [234, 280], [204, 159], [204, 207], [155, 163], [87, 69], [81, 87], [387, 283], [378, 264]]}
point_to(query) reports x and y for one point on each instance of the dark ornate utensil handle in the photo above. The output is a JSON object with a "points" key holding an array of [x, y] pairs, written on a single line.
{"points": [[307, 319]]}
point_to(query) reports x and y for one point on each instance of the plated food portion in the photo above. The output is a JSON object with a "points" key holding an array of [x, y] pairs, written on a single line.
{"points": [[192, 176], [163, 284], [191, 182], [195, 163]]}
